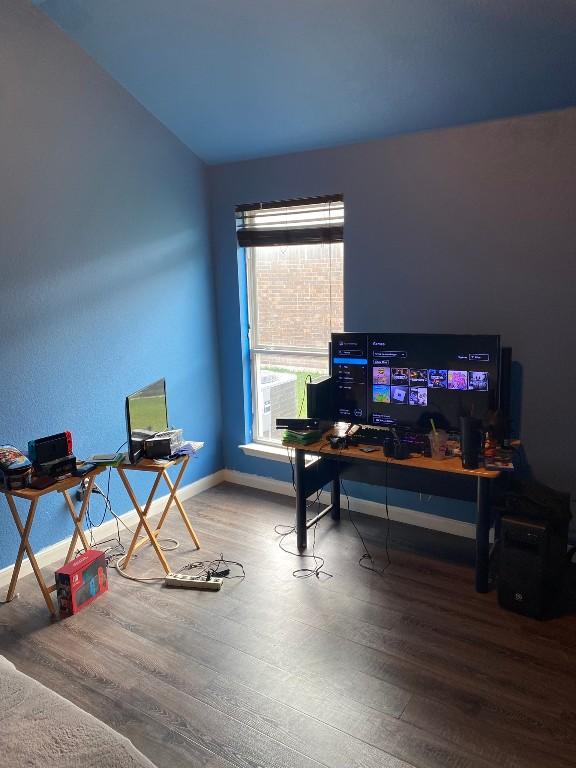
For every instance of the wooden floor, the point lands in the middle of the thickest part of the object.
(355, 671)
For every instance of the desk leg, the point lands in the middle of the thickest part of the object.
(142, 513)
(78, 521)
(24, 532)
(482, 534)
(301, 538)
(173, 487)
(174, 497)
(335, 498)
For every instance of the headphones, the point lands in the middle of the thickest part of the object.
(394, 448)
(337, 441)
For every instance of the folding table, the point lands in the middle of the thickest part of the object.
(33, 496)
(159, 468)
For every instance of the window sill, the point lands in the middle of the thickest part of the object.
(272, 452)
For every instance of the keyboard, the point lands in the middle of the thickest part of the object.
(368, 435)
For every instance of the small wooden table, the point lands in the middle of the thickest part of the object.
(33, 496)
(160, 469)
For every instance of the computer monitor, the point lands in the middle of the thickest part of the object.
(146, 415)
(405, 379)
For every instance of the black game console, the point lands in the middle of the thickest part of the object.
(162, 445)
(299, 425)
(83, 469)
(157, 448)
(52, 455)
(62, 467)
(45, 450)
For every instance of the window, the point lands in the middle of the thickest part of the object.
(294, 281)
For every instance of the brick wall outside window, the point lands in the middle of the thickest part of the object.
(298, 303)
(299, 300)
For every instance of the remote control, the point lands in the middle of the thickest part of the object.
(191, 582)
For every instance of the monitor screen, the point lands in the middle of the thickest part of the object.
(146, 414)
(404, 379)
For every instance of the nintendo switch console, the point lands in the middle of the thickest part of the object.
(81, 581)
(53, 455)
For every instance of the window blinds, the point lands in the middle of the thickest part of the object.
(291, 222)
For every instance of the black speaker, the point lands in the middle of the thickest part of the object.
(470, 441)
(505, 393)
(319, 399)
(532, 565)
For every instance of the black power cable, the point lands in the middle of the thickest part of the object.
(319, 561)
(213, 568)
(307, 379)
(367, 556)
(115, 553)
(287, 530)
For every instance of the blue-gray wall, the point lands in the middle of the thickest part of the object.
(105, 272)
(469, 230)
(324, 73)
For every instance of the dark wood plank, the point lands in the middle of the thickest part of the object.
(497, 745)
(100, 697)
(409, 669)
(340, 736)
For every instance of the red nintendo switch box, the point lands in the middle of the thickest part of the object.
(81, 581)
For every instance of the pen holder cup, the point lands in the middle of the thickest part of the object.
(438, 441)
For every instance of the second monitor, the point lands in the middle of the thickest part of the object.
(146, 416)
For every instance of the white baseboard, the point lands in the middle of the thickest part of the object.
(57, 552)
(373, 508)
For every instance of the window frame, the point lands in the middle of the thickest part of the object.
(258, 352)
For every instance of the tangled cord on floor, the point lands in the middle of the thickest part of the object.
(366, 560)
(302, 573)
(287, 530)
(367, 556)
(116, 553)
(213, 568)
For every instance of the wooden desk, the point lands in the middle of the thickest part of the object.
(444, 477)
(33, 496)
(161, 471)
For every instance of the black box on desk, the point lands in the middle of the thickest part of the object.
(58, 468)
(319, 400)
(157, 448)
(163, 445)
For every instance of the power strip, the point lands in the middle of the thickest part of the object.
(192, 582)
